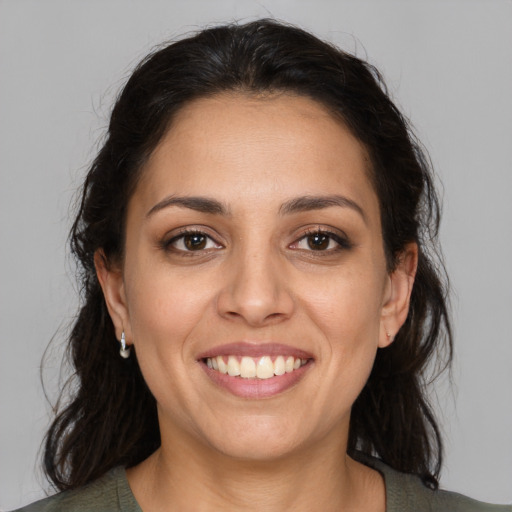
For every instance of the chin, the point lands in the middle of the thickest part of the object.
(259, 439)
(257, 450)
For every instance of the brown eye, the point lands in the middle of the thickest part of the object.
(318, 241)
(195, 242)
(191, 241)
(322, 241)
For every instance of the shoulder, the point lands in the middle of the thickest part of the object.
(452, 501)
(109, 493)
(406, 492)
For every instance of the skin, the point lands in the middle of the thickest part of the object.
(257, 280)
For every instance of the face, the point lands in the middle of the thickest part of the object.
(254, 286)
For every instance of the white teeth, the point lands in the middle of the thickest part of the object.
(233, 366)
(223, 368)
(265, 368)
(247, 368)
(279, 368)
(250, 368)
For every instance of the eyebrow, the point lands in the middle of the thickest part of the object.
(199, 204)
(307, 203)
(296, 205)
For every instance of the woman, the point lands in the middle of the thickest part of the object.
(260, 298)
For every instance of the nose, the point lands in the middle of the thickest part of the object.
(256, 290)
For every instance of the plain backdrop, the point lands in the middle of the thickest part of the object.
(448, 65)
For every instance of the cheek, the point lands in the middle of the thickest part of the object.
(165, 307)
(345, 303)
(347, 312)
(165, 312)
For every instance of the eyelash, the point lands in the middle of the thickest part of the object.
(168, 244)
(342, 241)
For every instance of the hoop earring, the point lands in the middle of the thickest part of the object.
(124, 351)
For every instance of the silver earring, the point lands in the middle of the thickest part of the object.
(124, 351)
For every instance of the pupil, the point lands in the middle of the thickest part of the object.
(195, 242)
(318, 241)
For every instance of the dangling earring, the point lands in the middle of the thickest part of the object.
(124, 350)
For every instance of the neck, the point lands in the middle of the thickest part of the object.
(319, 478)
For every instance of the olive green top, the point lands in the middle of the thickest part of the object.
(404, 493)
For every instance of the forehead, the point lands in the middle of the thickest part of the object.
(237, 145)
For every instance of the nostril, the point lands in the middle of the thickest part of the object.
(254, 300)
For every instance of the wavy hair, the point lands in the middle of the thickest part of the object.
(111, 417)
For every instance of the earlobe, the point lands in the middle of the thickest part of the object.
(112, 284)
(398, 296)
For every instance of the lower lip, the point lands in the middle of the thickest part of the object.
(256, 388)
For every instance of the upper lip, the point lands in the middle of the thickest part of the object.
(243, 348)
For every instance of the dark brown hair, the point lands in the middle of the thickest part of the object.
(111, 417)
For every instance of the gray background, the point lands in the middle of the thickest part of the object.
(448, 65)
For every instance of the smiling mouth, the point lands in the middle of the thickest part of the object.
(263, 367)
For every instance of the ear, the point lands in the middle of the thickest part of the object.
(112, 284)
(398, 295)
